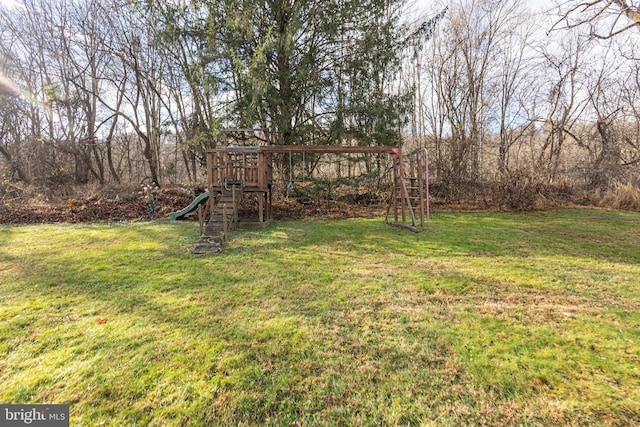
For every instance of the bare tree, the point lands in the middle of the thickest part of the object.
(29, 67)
(194, 83)
(12, 124)
(605, 18)
(565, 103)
(143, 67)
(475, 75)
(513, 81)
(56, 53)
(630, 122)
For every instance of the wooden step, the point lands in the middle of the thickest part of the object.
(219, 217)
(214, 232)
(207, 248)
(208, 244)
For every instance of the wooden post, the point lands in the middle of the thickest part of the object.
(261, 171)
(243, 169)
(211, 203)
(224, 222)
(420, 187)
(235, 211)
(396, 190)
(403, 195)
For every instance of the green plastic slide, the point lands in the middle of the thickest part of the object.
(192, 206)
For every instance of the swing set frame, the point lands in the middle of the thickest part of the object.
(250, 171)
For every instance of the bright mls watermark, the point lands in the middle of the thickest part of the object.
(34, 415)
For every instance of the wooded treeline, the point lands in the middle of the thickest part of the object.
(122, 91)
(505, 99)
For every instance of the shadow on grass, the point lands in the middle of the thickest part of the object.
(598, 235)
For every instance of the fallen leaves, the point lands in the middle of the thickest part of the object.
(100, 208)
(76, 210)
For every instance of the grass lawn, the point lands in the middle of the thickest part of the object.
(497, 319)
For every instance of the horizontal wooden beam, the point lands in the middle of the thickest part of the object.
(327, 149)
(337, 149)
(240, 130)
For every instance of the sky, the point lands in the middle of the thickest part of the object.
(422, 9)
(534, 5)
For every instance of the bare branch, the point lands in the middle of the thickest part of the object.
(598, 11)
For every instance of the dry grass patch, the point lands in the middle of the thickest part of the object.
(623, 196)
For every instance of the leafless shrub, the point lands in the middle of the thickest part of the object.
(518, 191)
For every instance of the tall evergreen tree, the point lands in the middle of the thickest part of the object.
(310, 67)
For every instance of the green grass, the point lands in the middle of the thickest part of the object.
(488, 319)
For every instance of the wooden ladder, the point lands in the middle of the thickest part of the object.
(408, 198)
(223, 219)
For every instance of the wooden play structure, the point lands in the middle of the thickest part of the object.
(235, 173)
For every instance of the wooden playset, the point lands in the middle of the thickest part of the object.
(238, 172)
